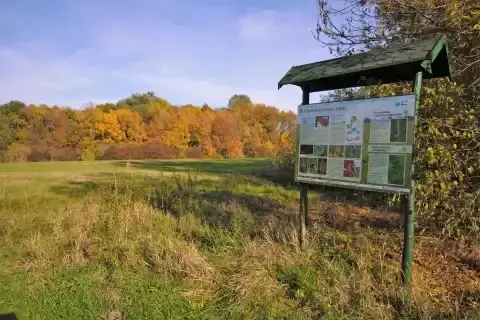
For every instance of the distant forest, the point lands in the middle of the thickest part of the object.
(143, 126)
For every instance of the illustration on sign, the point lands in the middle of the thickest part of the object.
(363, 143)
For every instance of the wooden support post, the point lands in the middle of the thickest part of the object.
(304, 188)
(303, 213)
(408, 204)
(305, 96)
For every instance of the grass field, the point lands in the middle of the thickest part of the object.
(210, 240)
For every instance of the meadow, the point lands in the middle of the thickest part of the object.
(212, 239)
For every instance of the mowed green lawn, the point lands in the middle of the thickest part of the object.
(186, 239)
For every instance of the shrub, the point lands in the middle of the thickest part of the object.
(64, 154)
(152, 150)
(39, 154)
(193, 153)
(87, 155)
(284, 162)
(17, 152)
(447, 165)
(43, 153)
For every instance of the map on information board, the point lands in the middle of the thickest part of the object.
(364, 144)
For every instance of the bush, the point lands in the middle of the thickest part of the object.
(447, 165)
(284, 162)
(39, 154)
(64, 154)
(17, 152)
(152, 150)
(87, 155)
(43, 153)
(193, 153)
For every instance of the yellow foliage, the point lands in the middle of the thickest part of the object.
(111, 128)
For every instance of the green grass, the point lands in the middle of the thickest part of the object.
(189, 240)
(205, 166)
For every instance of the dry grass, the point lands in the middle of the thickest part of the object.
(227, 254)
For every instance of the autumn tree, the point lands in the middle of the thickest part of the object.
(12, 107)
(226, 134)
(131, 125)
(11, 122)
(253, 141)
(107, 126)
(173, 130)
(286, 130)
(268, 117)
(139, 99)
(158, 115)
(6, 133)
(56, 122)
(206, 118)
(84, 133)
(36, 130)
(239, 99)
(139, 102)
(140, 126)
(105, 107)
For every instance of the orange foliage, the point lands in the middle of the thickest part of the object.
(226, 131)
(152, 128)
(131, 126)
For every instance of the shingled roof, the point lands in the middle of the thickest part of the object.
(384, 65)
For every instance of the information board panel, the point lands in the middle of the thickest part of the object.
(364, 144)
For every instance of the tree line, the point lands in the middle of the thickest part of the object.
(143, 126)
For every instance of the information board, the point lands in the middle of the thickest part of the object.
(364, 144)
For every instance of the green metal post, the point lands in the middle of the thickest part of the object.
(304, 189)
(409, 206)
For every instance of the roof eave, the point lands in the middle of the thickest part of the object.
(435, 64)
(419, 62)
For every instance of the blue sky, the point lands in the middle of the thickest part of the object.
(72, 52)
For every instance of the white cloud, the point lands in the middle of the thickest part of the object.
(181, 63)
(61, 81)
(258, 25)
(270, 24)
(220, 93)
(216, 93)
(69, 81)
(31, 79)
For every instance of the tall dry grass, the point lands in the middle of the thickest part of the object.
(223, 269)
